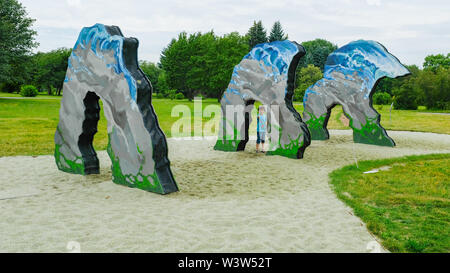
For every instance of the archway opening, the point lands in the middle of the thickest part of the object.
(91, 118)
(337, 119)
(251, 124)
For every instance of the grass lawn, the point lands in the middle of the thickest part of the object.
(406, 206)
(16, 95)
(27, 125)
(415, 120)
(420, 120)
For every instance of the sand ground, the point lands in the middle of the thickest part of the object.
(228, 202)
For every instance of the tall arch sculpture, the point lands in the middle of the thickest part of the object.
(350, 77)
(266, 74)
(103, 65)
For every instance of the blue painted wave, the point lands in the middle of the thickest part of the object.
(97, 39)
(274, 58)
(277, 55)
(368, 59)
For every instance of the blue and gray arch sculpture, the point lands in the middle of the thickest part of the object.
(267, 75)
(103, 65)
(350, 77)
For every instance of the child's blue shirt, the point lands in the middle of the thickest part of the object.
(261, 123)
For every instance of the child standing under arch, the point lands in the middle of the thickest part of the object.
(261, 126)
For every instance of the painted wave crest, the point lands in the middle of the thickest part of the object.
(276, 55)
(368, 59)
(98, 40)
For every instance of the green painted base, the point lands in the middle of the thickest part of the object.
(70, 166)
(374, 139)
(318, 133)
(149, 182)
(289, 150)
(285, 152)
(372, 133)
(227, 142)
(316, 127)
(227, 145)
(75, 166)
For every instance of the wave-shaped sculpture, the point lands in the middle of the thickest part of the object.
(266, 74)
(103, 65)
(350, 77)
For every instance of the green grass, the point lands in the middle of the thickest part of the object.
(407, 206)
(414, 120)
(424, 109)
(27, 126)
(9, 95)
(17, 95)
(421, 120)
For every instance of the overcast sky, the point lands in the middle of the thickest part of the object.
(410, 29)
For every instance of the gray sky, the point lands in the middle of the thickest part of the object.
(410, 29)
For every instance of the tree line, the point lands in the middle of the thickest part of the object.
(202, 63)
(429, 86)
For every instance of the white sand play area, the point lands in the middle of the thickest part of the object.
(228, 202)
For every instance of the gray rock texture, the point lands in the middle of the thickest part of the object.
(267, 75)
(103, 65)
(350, 77)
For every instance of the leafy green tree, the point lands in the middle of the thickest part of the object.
(228, 51)
(381, 98)
(317, 52)
(443, 85)
(256, 34)
(413, 69)
(16, 43)
(28, 91)
(179, 96)
(434, 81)
(201, 63)
(405, 96)
(386, 85)
(307, 77)
(434, 61)
(175, 62)
(435, 87)
(277, 33)
(49, 69)
(186, 63)
(171, 93)
(161, 85)
(18, 74)
(152, 72)
(429, 87)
